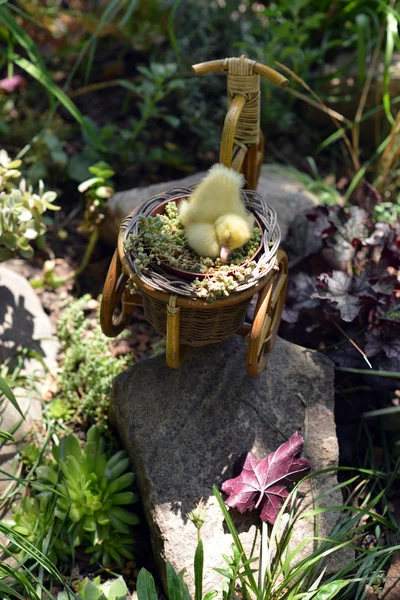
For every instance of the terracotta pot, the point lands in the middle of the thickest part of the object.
(189, 275)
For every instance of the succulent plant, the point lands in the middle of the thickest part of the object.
(26, 515)
(21, 210)
(60, 410)
(32, 518)
(92, 495)
(113, 589)
(30, 454)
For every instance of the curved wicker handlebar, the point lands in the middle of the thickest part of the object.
(258, 68)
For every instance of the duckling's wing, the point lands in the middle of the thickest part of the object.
(202, 238)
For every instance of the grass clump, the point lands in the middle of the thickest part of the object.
(88, 368)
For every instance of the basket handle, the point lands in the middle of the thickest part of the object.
(258, 68)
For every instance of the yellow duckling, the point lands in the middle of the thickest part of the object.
(215, 218)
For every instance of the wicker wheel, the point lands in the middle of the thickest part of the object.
(267, 318)
(115, 294)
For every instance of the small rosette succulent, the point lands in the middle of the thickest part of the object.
(94, 496)
(32, 518)
(114, 589)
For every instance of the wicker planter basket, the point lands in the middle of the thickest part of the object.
(170, 303)
(219, 320)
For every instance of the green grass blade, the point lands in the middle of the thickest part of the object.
(171, 31)
(318, 511)
(128, 13)
(391, 34)
(362, 28)
(232, 529)
(21, 37)
(5, 389)
(22, 580)
(390, 374)
(61, 96)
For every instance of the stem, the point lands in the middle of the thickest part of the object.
(10, 64)
(264, 560)
(93, 87)
(94, 236)
(146, 116)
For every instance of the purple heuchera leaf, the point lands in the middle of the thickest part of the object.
(298, 297)
(263, 483)
(385, 339)
(322, 224)
(338, 289)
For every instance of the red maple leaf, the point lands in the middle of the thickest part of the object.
(263, 483)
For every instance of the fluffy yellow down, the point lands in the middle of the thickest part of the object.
(215, 218)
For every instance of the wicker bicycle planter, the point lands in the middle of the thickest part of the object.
(170, 303)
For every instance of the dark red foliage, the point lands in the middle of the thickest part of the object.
(358, 281)
(263, 483)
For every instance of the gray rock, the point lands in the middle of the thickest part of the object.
(23, 325)
(276, 185)
(285, 194)
(184, 430)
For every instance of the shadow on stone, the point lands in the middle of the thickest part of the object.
(16, 326)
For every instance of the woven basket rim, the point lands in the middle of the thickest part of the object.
(156, 277)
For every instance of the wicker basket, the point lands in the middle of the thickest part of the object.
(220, 320)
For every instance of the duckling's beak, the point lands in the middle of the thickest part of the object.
(224, 253)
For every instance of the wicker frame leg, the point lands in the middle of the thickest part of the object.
(176, 352)
(267, 318)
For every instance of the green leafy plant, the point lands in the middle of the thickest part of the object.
(59, 410)
(113, 589)
(88, 368)
(21, 210)
(30, 453)
(98, 189)
(92, 493)
(131, 143)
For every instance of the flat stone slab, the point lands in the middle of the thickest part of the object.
(185, 429)
(276, 185)
(23, 325)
